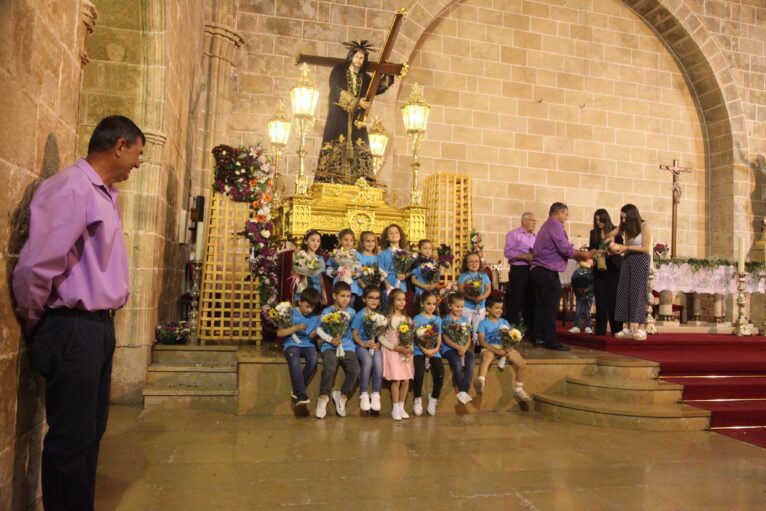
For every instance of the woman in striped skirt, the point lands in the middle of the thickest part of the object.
(631, 288)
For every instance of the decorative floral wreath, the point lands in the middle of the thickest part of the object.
(476, 246)
(245, 174)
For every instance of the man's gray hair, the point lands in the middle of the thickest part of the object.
(526, 215)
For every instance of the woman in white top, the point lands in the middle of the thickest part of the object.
(631, 288)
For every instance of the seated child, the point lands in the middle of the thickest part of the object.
(332, 356)
(492, 347)
(460, 357)
(297, 342)
(368, 353)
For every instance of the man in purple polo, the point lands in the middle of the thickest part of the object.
(71, 276)
(520, 298)
(551, 252)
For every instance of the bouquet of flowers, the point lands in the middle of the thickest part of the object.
(426, 336)
(459, 332)
(281, 316)
(348, 263)
(375, 324)
(430, 272)
(372, 275)
(335, 325)
(406, 336)
(445, 255)
(509, 337)
(305, 265)
(474, 286)
(175, 332)
(402, 262)
(477, 246)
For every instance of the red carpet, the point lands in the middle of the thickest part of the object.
(736, 398)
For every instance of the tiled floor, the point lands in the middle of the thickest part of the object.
(200, 460)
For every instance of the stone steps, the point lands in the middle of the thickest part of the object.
(621, 392)
(192, 377)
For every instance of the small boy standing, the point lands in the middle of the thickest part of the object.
(297, 342)
(582, 284)
(332, 356)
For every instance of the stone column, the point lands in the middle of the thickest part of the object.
(220, 43)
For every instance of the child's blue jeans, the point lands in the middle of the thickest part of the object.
(370, 365)
(299, 378)
(582, 308)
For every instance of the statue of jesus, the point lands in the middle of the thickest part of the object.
(345, 153)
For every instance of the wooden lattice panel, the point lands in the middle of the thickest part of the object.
(449, 214)
(229, 302)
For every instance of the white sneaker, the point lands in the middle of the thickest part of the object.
(321, 412)
(375, 402)
(402, 412)
(340, 403)
(364, 402)
(520, 393)
(417, 406)
(625, 333)
(432, 405)
(640, 335)
(588, 330)
(574, 330)
(478, 384)
(466, 398)
(395, 412)
(461, 397)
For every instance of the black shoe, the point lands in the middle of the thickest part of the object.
(557, 346)
(539, 343)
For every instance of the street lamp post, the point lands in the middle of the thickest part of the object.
(304, 98)
(415, 115)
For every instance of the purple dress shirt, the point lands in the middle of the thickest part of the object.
(552, 248)
(518, 242)
(75, 256)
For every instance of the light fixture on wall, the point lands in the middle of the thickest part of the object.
(415, 115)
(378, 143)
(279, 132)
(304, 98)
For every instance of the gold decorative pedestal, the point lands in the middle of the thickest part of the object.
(330, 207)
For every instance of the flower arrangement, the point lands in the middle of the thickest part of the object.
(445, 256)
(258, 233)
(426, 336)
(375, 324)
(476, 243)
(348, 263)
(430, 272)
(474, 286)
(402, 260)
(509, 337)
(406, 336)
(459, 332)
(281, 315)
(244, 173)
(335, 325)
(372, 275)
(306, 264)
(174, 332)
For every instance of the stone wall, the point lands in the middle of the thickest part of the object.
(40, 69)
(578, 101)
(146, 63)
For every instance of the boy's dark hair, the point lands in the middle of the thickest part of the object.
(111, 129)
(311, 296)
(340, 286)
(370, 289)
(425, 295)
(453, 297)
(492, 300)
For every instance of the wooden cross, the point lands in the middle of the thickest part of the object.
(676, 171)
(378, 69)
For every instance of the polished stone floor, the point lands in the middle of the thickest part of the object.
(197, 460)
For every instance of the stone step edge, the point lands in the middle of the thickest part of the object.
(153, 390)
(193, 347)
(172, 368)
(629, 410)
(611, 383)
(626, 362)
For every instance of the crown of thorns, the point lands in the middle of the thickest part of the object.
(363, 45)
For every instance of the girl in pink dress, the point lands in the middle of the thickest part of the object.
(397, 360)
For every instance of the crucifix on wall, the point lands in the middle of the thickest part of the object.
(345, 153)
(676, 171)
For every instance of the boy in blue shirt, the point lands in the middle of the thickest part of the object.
(341, 294)
(492, 347)
(297, 342)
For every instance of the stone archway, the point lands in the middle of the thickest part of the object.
(706, 71)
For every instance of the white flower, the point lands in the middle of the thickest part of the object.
(266, 233)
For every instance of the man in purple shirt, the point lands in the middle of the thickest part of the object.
(519, 297)
(551, 252)
(71, 276)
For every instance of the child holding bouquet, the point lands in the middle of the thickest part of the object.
(395, 259)
(497, 339)
(428, 339)
(338, 348)
(475, 286)
(425, 271)
(370, 273)
(296, 326)
(368, 325)
(397, 352)
(344, 265)
(308, 265)
(456, 344)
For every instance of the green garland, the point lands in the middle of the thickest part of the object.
(710, 264)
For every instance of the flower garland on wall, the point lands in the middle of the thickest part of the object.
(709, 264)
(245, 175)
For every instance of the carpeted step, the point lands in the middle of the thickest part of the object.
(734, 413)
(733, 387)
(755, 436)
